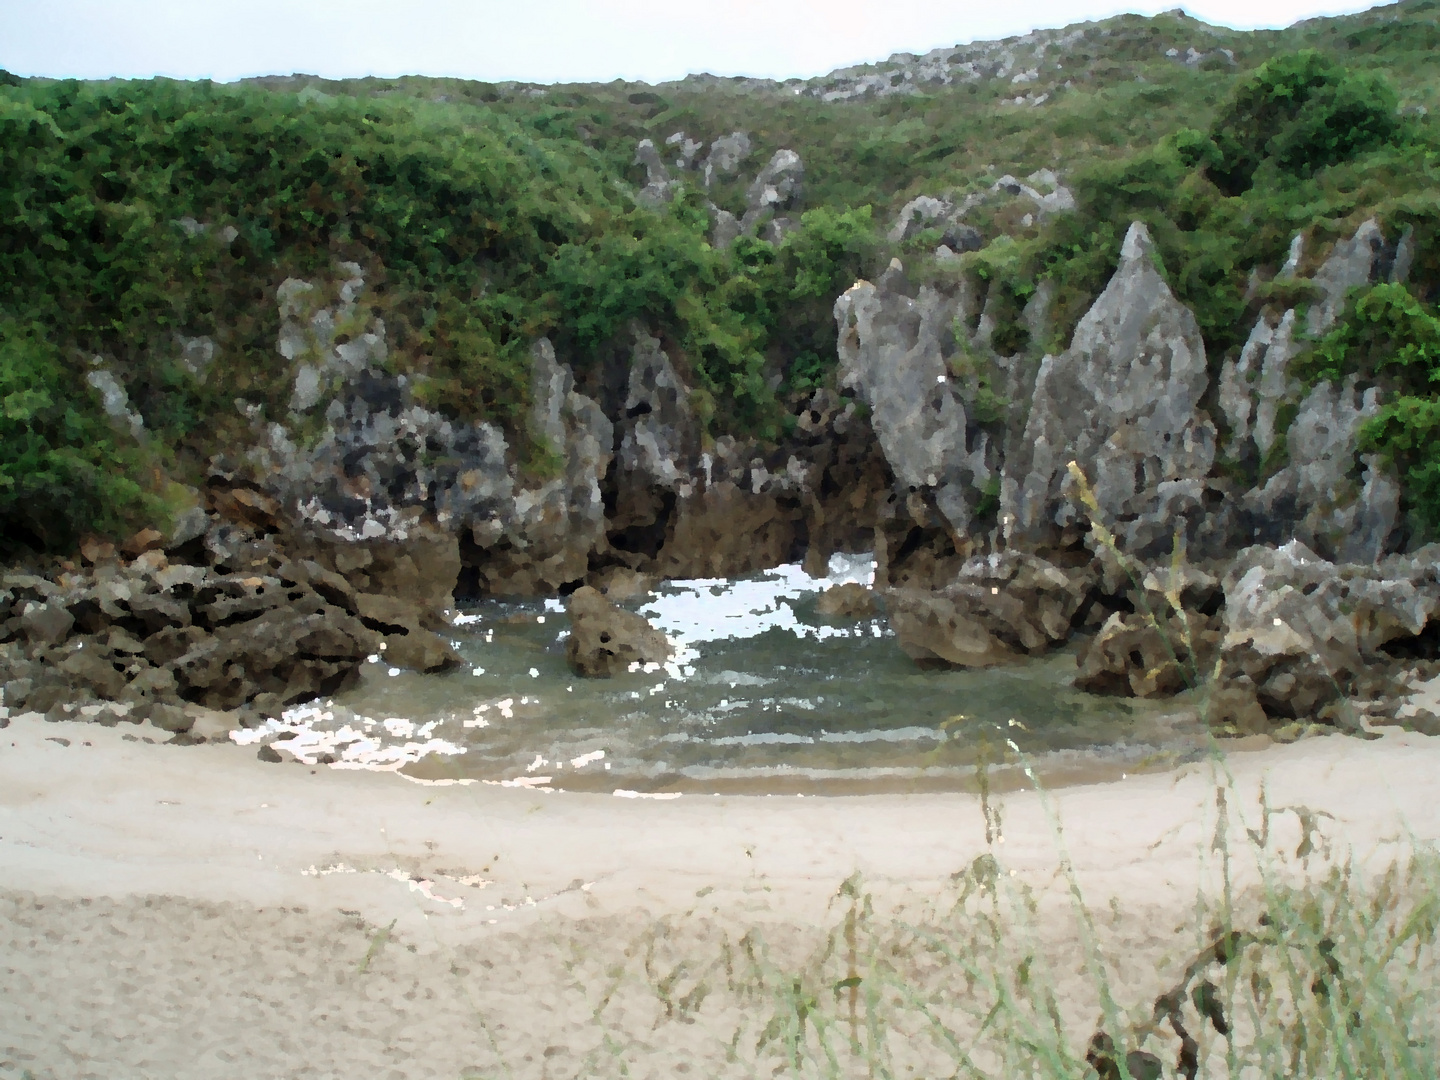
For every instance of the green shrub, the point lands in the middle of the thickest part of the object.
(1301, 111)
(1387, 332)
(62, 470)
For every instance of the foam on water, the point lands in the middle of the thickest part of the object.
(695, 611)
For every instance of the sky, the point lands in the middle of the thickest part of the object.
(536, 40)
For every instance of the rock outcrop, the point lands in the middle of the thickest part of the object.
(1342, 504)
(1303, 633)
(606, 639)
(659, 188)
(1298, 639)
(544, 537)
(244, 626)
(1124, 403)
(892, 353)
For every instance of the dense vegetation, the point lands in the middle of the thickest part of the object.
(139, 215)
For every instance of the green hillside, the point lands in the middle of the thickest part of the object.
(139, 215)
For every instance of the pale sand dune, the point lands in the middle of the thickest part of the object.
(157, 919)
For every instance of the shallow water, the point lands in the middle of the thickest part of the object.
(762, 696)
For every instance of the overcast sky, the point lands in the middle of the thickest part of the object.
(534, 40)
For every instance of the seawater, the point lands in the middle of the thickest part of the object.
(762, 695)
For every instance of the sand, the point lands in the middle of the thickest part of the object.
(173, 911)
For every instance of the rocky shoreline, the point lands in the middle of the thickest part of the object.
(1093, 494)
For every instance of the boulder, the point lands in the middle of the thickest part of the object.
(606, 639)
(407, 643)
(620, 582)
(1001, 608)
(850, 600)
(46, 623)
(1137, 656)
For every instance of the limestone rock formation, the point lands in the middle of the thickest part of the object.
(930, 212)
(1124, 403)
(605, 639)
(1254, 387)
(405, 641)
(726, 155)
(1001, 608)
(1353, 263)
(544, 537)
(891, 354)
(1302, 632)
(659, 188)
(1342, 505)
(1317, 498)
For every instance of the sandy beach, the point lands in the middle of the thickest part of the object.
(173, 911)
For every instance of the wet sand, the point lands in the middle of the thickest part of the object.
(192, 912)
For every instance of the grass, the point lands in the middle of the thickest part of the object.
(1316, 970)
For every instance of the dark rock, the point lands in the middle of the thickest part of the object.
(143, 541)
(169, 644)
(293, 654)
(270, 754)
(86, 668)
(605, 639)
(725, 531)
(240, 598)
(1235, 707)
(46, 624)
(961, 238)
(420, 650)
(47, 694)
(17, 691)
(154, 684)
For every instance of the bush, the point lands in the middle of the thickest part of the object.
(1387, 333)
(1303, 112)
(1389, 337)
(61, 470)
